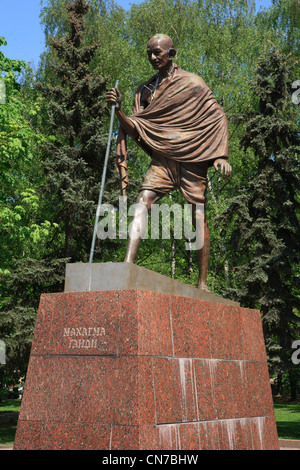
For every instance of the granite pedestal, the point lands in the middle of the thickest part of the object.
(140, 369)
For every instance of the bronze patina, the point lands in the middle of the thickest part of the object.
(177, 121)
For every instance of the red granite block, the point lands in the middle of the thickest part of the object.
(127, 302)
(258, 389)
(270, 434)
(28, 435)
(190, 321)
(146, 413)
(155, 333)
(133, 391)
(81, 323)
(68, 389)
(188, 388)
(209, 435)
(264, 433)
(41, 340)
(243, 439)
(237, 379)
(124, 438)
(75, 436)
(175, 390)
(175, 436)
(258, 432)
(124, 322)
(228, 389)
(253, 340)
(204, 382)
(149, 438)
(167, 390)
(189, 436)
(124, 393)
(169, 436)
(93, 389)
(163, 372)
(235, 434)
(225, 332)
(227, 434)
(222, 391)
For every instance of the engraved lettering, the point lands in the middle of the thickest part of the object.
(82, 333)
(83, 344)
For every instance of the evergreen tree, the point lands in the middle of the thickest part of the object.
(24, 232)
(264, 216)
(55, 222)
(73, 161)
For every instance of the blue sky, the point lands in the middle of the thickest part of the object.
(20, 25)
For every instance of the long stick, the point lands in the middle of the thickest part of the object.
(103, 177)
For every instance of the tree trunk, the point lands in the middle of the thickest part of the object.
(226, 272)
(279, 385)
(190, 259)
(173, 262)
(293, 388)
(67, 237)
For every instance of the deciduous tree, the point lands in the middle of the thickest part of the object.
(263, 218)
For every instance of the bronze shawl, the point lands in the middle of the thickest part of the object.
(184, 122)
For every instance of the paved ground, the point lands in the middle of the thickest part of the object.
(289, 444)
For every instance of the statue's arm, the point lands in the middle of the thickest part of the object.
(114, 97)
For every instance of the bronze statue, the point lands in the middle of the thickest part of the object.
(178, 122)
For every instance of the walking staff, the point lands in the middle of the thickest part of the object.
(103, 178)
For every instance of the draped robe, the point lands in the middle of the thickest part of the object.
(183, 122)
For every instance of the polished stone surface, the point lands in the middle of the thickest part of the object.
(134, 369)
(86, 277)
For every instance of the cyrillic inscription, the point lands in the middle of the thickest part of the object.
(83, 337)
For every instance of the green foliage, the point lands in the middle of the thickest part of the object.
(24, 231)
(264, 215)
(73, 161)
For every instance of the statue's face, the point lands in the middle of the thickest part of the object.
(158, 54)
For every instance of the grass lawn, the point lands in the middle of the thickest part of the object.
(8, 423)
(287, 416)
(10, 405)
(288, 419)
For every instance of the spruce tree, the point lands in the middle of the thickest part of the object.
(263, 218)
(73, 161)
(76, 131)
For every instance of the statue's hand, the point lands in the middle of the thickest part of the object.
(223, 166)
(113, 97)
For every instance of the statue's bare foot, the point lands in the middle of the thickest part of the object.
(203, 287)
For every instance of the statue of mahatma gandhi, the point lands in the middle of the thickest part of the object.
(178, 122)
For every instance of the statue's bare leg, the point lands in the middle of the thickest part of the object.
(138, 225)
(203, 253)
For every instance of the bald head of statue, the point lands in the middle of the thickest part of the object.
(165, 41)
(161, 52)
